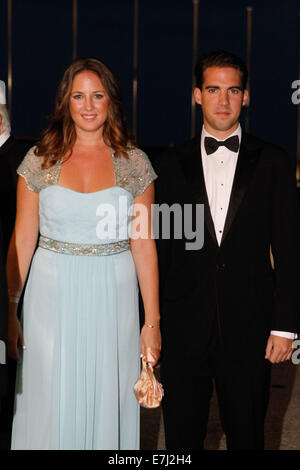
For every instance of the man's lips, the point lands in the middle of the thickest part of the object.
(223, 113)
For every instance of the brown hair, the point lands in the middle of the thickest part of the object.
(220, 59)
(60, 136)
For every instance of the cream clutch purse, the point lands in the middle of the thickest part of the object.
(148, 390)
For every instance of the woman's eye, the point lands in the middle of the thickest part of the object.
(79, 96)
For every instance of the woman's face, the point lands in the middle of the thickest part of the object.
(89, 102)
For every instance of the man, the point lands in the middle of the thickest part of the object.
(226, 314)
(3, 325)
(12, 152)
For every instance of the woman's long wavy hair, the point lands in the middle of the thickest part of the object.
(59, 138)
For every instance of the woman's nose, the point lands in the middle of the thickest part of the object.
(88, 102)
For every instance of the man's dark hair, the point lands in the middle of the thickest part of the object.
(220, 59)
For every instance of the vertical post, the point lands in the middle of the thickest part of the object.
(135, 67)
(194, 60)
(248, 61)
(74, 52)
(9, 56)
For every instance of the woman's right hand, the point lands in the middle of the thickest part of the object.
(15, 337)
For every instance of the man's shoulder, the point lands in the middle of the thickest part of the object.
(16, 147)
(21, 144)
(270, 154)
(253, 142)
(175, 154)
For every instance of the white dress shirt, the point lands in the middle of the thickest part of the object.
(219, 169)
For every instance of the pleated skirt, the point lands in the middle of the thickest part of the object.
(74, 387)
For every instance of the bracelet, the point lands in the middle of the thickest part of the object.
(151, 326)
(14, 297)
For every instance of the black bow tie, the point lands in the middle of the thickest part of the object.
(211, 144)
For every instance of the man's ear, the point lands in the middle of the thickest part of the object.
(198, 95)
(246, 98)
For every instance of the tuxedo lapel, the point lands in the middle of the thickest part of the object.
(192, 169)
(246, 164)
(7, 144)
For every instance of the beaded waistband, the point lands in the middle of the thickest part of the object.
(82, 249)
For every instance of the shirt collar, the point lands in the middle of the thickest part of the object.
(4, 137)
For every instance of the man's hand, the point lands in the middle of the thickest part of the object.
(278, 349)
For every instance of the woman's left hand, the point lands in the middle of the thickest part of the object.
(151, 344)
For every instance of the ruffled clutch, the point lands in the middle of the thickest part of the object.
(148, 390)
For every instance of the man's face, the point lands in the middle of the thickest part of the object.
(221, 98)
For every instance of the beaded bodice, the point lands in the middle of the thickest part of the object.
(134, 173)
(102, 216)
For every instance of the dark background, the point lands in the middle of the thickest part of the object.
(42, 48)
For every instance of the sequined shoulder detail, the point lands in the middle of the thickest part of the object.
(135, 173)
(37, 178)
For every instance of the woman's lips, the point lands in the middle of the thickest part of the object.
(89, 117)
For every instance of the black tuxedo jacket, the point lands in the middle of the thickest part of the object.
(3, 323)
(232, 285)
(12, 153)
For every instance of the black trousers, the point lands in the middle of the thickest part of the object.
(242, 387)
(7, 410)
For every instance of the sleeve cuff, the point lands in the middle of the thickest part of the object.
(284, 334)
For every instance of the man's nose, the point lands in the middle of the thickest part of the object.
(224, 98)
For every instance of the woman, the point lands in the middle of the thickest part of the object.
(80, 316)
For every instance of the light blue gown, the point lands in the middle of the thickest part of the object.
(80, 318)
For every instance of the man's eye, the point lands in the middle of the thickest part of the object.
(212, 90)
(235, 91)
